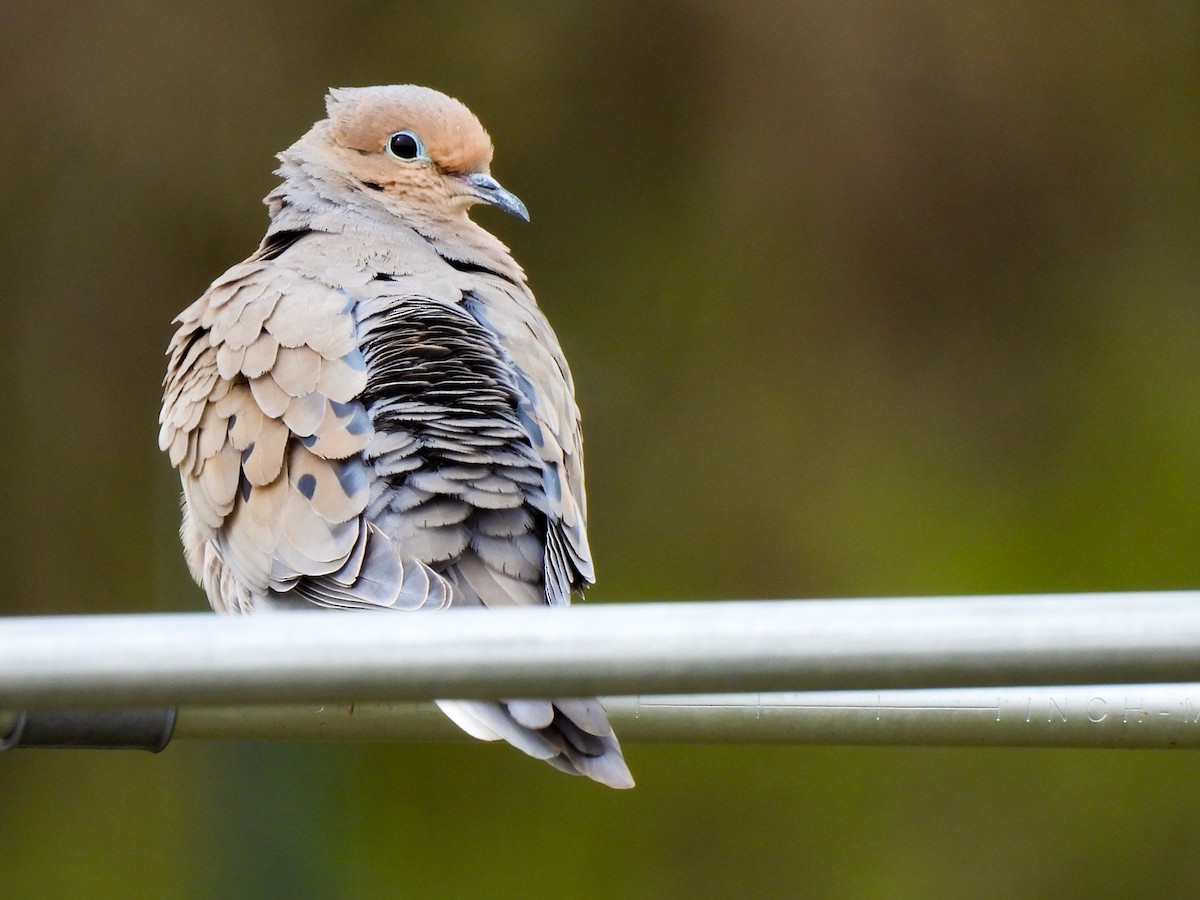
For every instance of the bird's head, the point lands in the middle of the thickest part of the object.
(410, 147)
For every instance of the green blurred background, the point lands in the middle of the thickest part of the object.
(861, 299)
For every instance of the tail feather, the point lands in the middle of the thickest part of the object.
(533, 714)
(583, 746)
(572, 737)
(588, 713)
(490, 721)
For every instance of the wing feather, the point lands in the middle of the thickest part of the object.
(261, 413)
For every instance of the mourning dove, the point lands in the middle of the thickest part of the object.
(372, 413)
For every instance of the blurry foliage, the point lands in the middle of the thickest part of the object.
(861, 298)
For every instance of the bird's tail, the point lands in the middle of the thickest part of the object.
(572, 735)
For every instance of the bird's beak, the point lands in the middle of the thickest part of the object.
(488, 189)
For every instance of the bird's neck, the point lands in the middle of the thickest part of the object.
(303, 202)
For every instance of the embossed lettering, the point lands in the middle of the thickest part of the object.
(1190, 714)
(1062, 713)
(1139, 712)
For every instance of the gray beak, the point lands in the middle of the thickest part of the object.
(488, 189)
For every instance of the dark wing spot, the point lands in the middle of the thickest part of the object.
(360, 422)
(475, 268)
(307, 485)
(191, 342)
(531, 427)
(352, 477)
(274, 245)
(551, 484)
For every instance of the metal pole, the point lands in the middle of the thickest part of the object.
(1115, 716)
(1125, 716)
(196, 659)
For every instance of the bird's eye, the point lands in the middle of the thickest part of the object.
(405, 145)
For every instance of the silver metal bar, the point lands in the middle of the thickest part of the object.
(1121, 716)
(194, 659)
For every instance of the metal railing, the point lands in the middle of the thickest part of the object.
(1119, 670)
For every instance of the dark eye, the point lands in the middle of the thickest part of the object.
(405, 145)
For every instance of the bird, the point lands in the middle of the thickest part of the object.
(372, 413)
